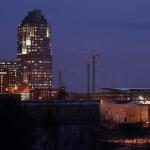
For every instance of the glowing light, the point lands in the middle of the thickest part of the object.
(141, 98)
(48, 33)
(15, 88)
(40, 97)
(24, 51)
(3, 73)
(145, 102)
(28, 42)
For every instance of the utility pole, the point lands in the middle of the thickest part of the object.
(88, 77)
(94, 56)
(60, 77)
(93, 62)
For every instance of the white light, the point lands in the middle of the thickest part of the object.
(28, 42)
(24, 51)
(144, 102)
(48, 33)
(1, 73)
(141, 98)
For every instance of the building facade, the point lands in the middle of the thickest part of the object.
(8, 75)
(34, 54)
(3, 80)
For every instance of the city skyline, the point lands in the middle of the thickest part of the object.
(75, 75)
(34, 53)
(119, 32)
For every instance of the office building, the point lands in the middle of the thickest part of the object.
(3, 80)
(8, 75)
(34, 54)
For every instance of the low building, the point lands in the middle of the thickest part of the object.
(120, 112)
(63, 124)
(44, 94)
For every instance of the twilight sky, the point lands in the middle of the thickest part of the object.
(118, 30)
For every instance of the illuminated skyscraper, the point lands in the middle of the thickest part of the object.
(34, 54)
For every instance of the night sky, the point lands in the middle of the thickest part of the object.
(118, 30)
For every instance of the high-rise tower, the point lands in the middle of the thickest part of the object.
(34, 54)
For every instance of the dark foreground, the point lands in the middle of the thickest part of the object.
(64, 125)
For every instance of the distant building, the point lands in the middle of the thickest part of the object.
(3, 80)
(128, 112)
(34, 53)
(44, 94)
(8, 75)
(47, 94)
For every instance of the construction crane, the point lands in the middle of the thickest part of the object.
(94, 61)
(88, 77)
(60, 79)
(94, 56)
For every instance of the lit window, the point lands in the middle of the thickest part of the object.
(48, 32)
(28, 41)
(24, 51)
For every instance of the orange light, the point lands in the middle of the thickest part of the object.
(15, 88)
(40, 97)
